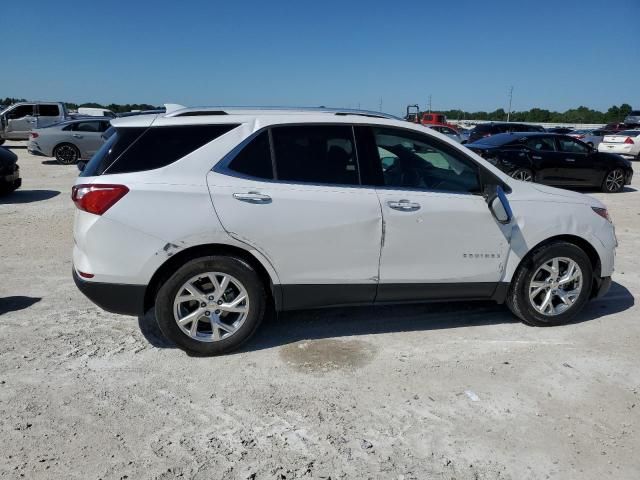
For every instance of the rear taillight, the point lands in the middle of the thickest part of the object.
(34, 135)
(97, 198)
(628, 140)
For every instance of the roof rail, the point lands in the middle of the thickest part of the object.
(224, 110)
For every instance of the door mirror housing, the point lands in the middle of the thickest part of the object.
(498, 204)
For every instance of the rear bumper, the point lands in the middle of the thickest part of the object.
(113, 297)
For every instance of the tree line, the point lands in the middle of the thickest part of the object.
(114, 107)
(574, 115)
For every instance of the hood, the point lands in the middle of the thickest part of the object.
(524, 191)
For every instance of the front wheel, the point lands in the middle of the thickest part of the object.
(66, 154)
(613, 181)
(552, 285)
(211, 305)
(523, 174)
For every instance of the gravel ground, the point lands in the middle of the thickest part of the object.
(445, 391)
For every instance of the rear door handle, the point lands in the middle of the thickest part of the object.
(570, 159)
(76, 135)
(404, 205)
(252, 197)
(535, 157)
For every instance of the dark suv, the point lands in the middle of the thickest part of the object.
(488, 129)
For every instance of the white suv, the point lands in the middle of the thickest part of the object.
(213, 216)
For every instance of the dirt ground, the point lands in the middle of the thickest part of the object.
(445, 391)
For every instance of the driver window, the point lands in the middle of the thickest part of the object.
(21, 112)
(412, 160)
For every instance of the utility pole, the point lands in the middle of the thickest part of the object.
(380, 104)
(510, 99)
(429, 103)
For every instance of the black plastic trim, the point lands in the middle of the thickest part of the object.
(410, 292)
(297, 297)
(118, 298)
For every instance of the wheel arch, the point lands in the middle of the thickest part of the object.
(580, 242)
(180, 258)
(59, 144)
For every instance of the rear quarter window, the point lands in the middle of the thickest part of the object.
(138, 149)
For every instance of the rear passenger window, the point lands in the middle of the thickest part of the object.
(138, 149)
(541, 143)
(87, 127)
(254, 159)
(48, 110)
(316, 153)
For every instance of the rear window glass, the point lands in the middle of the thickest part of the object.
(497, 140)
(631, 133)
(254, 159)
(138, 149)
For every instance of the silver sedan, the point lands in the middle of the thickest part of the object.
(69, 141)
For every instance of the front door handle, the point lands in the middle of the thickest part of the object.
(570, 159)
(252, 197)
(76, 135)
(404, 205)
(535, 157)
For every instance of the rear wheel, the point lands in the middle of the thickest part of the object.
(613, 181)
(66, 154)
(552, 285)
(211, 305)
(523, 174)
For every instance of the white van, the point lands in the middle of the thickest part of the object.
(96, 112)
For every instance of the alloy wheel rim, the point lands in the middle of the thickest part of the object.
(614, 180)
(66, 154)
(211, 306)
(522, 175)
(555, 286)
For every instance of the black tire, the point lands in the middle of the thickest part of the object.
(613, 181)
(518, 299)
(232, 266)
(66, 154)
(523, 174)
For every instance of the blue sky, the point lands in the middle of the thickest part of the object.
(557, 54)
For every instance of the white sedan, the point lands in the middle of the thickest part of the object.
(625, 143)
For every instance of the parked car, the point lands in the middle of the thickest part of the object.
(213, 217)
(633, 118)
(452, 133)
(562, 130)
(616, 127)
(554, 159)
(69, 141)
(9, 171)
(96, 112)
(487, 129)
(591, 137)
(625, 143)
(19, 119)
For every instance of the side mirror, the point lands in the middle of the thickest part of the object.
(81, 165)
(499, 204)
